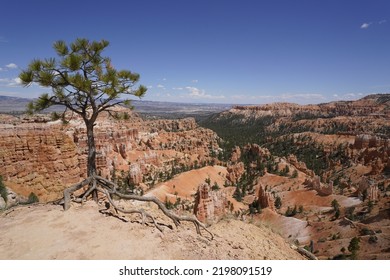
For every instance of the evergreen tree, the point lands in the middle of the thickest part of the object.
(336, 208)
(84, 82)
(278, 202)
(354, 246)
(215, 187)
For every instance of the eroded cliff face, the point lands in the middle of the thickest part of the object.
(44, 157)
(38, 158)
(320, 188)
(210, 205)
(265, 198)
(372, 105)
(366, 115)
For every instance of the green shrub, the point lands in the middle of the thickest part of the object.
(168, 204)
(295, 174)
(215, 187)
(340, 257)
(3, 190)
(32, 198)
(366, 231)
(291, 212)
(372, 239)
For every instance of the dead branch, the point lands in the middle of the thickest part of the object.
(306, 253)
(350, 222)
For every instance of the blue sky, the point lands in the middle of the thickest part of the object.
(242, 51)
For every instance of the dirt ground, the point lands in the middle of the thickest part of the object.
(47, 232)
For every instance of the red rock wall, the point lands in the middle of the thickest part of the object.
(210, 205)
(46, 157)
(39, 159)
(320, 188)
(266, 199)
(234, 172)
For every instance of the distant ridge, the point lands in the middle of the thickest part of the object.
(11, 104)
(13, 98)
(17, 105)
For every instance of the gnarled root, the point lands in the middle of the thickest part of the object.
(108, 189)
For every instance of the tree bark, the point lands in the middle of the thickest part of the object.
(91, 159)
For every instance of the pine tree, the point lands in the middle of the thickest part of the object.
(278, 202)
(85, 83)
(354, 246)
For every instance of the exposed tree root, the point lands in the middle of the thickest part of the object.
(110, 189)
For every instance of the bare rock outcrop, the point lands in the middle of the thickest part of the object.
(172, 125)
(135, 174)
(301, 166)
(370, 141)
(266, 199)
(254, 150)
(320, 188)
(43, 156)
(210, 205)
(236, 154)
(38, 158)
(235, 171)
(374, 151)
(371, 105)
(367, 189)
(3, 205)
(11, 199)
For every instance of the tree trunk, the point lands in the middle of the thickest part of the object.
(91, 160)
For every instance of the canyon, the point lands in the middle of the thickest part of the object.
(43, 156)
(317, 175)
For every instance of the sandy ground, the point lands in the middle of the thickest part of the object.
(47, 232)
(185, 184)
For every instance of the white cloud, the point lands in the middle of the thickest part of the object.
(11, 66)
(382, 21)
(194, 81)
(10, 82)
(1, 69)
(149, 87)
(164, 79)
(200, 93)
(17, 81)
(365, 25)
(160, 86)
(177, 88)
